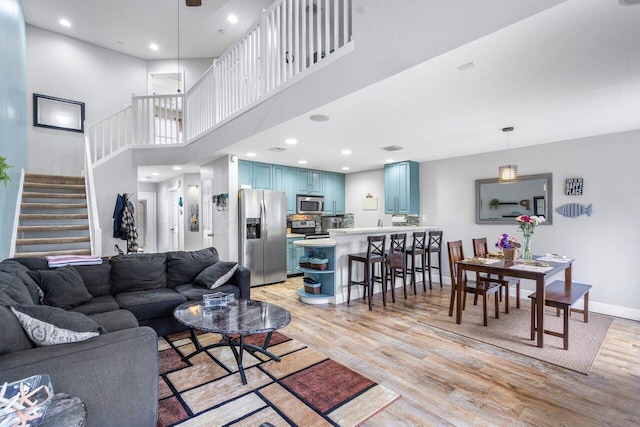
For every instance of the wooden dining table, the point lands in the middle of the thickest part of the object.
(504, 268)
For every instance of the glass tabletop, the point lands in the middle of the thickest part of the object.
(242, 317)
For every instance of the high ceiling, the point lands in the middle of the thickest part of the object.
(568, 72)
(129, 26)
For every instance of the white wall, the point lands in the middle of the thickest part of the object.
(67, 68)
(358, 185)
(604, 245)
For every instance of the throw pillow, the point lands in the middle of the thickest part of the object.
(12, 286)
(62, 287)
(11, 266)
(47, 326)
(183, 267)
(216, 275)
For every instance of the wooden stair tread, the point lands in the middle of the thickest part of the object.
(53, 179)
(53, 216)
(52, 253)
(31, 195)
(51, 240)
(28, 205)
(28, 184)
(34, 228)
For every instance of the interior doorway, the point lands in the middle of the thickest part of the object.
(146, 219)
(166, 83)
(174, 220)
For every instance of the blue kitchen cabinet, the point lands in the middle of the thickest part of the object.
(309, 182)
(284, 179)
(334, 193)
(402, 188)
(293, 255)
(254, 174)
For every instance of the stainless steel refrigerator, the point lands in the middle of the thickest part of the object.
(263, 235)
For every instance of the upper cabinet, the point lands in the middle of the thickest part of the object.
(334, 194)
(255, 175)
(402, 188)
(309, 182)
(285, 179)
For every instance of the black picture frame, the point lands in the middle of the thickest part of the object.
(539, 207)
(58, 113)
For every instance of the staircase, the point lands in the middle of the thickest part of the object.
(53, 217)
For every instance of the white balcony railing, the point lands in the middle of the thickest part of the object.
(292, 38)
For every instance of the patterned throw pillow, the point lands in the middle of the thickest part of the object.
(216, 275)
(45, 325)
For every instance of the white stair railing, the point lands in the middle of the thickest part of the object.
(95, 232)
(16, 218)
(292, 38)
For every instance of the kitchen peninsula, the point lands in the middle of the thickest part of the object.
(341, 243)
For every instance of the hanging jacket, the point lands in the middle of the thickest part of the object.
(128, 226)
(117, 216)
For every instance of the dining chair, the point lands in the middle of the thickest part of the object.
(483, 288)
(395, 264)
(417, 249)
(434, 245)
(480, 250)
(374, 256)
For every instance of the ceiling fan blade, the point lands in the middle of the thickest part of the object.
(194, 2)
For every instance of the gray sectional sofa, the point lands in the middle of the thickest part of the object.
(131, 299)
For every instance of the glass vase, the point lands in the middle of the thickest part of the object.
(527, 256)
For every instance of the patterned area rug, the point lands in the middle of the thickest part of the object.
(304, 389)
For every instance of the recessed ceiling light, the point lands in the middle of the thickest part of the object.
(232, 18)
(64, 22)
(302, 162)
(629, 2)
(346, 152)
(389, 161)
(154, 46)
(345, 168)
(319, 118)
(177, 168)
(155, 173)
(251, 154)
(291, 141)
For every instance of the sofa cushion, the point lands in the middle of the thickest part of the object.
(97, 305)
(193, 292)
(47, 326)
(150, 303)
(33, 263)
(11, 266)
(115, 320)
(62, 287)
(183, 267)
(216, 275)
(97, 278)
(13, 336)
(12, 286)
(138, 272)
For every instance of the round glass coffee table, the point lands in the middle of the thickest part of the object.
(235, 321)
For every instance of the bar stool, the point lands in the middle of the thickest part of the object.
(417, 249)
(395, 264)
(373, 256)
(434, 246)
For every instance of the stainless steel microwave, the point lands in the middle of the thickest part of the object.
(309, 204)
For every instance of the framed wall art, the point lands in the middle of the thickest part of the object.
(539, 206)
(57, 113)
(573, 186)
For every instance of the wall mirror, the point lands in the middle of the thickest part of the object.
(498, 203)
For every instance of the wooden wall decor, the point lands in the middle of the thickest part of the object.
(573, 186)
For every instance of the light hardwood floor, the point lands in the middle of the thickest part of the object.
(447, 379)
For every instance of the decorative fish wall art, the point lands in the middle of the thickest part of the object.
(574, 210)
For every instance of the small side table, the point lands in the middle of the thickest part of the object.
(65, 410)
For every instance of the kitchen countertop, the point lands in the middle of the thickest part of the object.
(335, 232)
(294, 235)
(315, 243)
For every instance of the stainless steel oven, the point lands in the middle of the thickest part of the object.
(309, 204)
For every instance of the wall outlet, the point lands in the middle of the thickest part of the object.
(424, 218)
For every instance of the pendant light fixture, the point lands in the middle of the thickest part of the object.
(508, 173)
